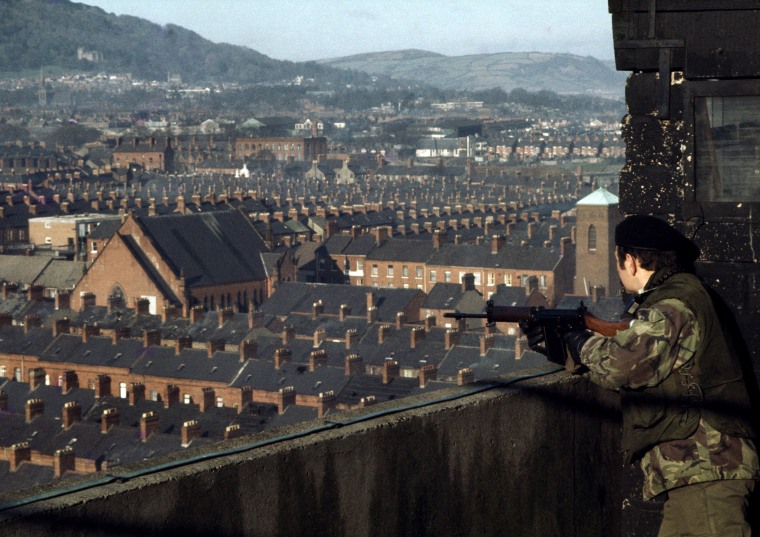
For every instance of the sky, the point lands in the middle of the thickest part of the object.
(302, 30)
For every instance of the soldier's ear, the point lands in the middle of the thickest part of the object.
(631, 264)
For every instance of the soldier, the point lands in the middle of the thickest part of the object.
(687, 417)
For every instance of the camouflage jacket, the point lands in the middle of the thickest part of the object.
(665, 337)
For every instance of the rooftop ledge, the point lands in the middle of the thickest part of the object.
(530, 455)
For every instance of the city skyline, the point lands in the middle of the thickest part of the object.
(297, 31)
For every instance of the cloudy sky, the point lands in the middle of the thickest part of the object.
(300, 30)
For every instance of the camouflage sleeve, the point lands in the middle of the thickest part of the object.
(662, 336)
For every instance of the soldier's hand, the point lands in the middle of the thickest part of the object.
(574, 342)
(535, 334)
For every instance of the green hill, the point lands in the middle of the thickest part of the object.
(38, 34)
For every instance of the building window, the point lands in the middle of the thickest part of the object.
(508, 280)
(153, 395)
(418, 273)
(374, 271)
(404, 271)
(187, 399)
(491, 279)
(359, 265)
(592, 238)
(432, 276)
(390, 271)
(447, 276)
(220, 402)
(542, 281)
(123, 390)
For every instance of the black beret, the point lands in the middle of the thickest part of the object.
(649, 233)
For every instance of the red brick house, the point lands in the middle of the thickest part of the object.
(281, 148)
(215, 260)
(150, 154)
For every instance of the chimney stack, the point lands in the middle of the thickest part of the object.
(317, 359)
(354, 365)
(71, 414)
(214, 345)
(20, 452)
(416, 336)
(232, 431)
(171, 395)
(64, 460)
(182, 343)
(326, 402)
(109, 418)
(319, 336)
(282, 355)
(391, 370)
(248, 349)
(33, 408)
(61, 326)
(152, 337)
(70, 381)
(486, 343)
(190, 430)
(137, 393)
(102, 386)
(451, 338)
(36, 378)
(208, 399)
(465, 376)
(224, 315)
(352, 337)
(149, 424)
(427, 373)
(285, 397)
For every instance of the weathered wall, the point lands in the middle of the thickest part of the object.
(677, 50)
(539, 460)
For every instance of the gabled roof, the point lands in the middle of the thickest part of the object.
(209, 248)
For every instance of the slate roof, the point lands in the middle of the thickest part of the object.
(210, 248)
(299, 297)
(402, 250)
(105, 229)
(396, 346)
(450, 296)
(190, 364)
(61, 274)
(508, 256)
(97, 351)
(22, 269)
(509, 296)
(261, 375)
(364, 386)
(13, 340)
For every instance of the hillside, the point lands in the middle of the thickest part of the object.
(42, 33)
(533, 71)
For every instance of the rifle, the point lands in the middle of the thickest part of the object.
(554, 323)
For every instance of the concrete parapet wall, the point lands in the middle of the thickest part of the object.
(539, 457)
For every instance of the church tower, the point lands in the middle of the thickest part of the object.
(596, 217)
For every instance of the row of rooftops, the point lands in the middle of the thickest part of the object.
(317, 363)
